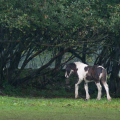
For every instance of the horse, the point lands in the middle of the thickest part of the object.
(88, 74)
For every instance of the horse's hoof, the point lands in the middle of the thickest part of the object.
(109, 99)
(76, 97)
(98, 99)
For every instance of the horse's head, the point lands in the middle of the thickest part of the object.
(70, 68)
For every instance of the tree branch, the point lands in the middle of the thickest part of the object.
(21, 81)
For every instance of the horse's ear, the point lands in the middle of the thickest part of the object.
(65, 65)
(76, 70)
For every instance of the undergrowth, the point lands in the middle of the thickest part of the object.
(59, 102)
(55, 87)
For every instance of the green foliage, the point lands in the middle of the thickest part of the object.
(32, 27)
(62, 19)
(12, 91)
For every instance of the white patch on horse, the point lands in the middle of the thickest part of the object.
(101, 67)
(100, 76)
(81, 72)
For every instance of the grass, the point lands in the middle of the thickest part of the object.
(58, 108)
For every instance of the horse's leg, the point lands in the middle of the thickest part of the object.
(104, 82)
(86, 90)
(77, 88)
(107, 90)
(99, 90)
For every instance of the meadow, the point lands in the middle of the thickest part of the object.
(17, 108)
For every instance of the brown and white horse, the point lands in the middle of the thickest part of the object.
(88, 74)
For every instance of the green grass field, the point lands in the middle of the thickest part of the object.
(13, 108)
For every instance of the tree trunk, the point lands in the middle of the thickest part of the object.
(118, 87)
(118, 81)
(59, 58)
(84, 51)
(115, 71)
(112, 84)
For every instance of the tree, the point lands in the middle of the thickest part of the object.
(29, 28)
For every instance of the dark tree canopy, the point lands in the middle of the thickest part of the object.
(84, 28)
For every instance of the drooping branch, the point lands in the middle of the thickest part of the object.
(75, 54)
(27, 60)
(46, 65)
(34, 55)
(34, 74)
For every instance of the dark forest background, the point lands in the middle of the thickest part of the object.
(51, 33)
